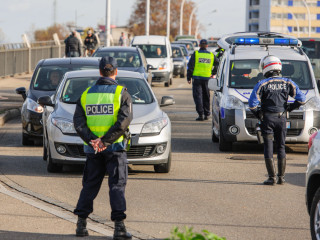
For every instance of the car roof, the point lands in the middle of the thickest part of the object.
(151, 39)
(96, 73)
(120, 49)
(257, 52)
(74, 60)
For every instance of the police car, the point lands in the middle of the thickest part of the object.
(238, 73)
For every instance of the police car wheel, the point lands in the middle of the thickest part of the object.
(52, 167)
(224, 145)
(164, 167)
(315, 216)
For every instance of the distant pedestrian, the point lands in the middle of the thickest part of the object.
(129, 39)
(73, 48)
(122, 40)
(202, 65)
(90, 42)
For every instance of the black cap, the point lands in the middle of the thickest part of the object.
(107, 60)
(204, 41)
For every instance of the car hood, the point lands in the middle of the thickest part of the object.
(141, 113)
(155, 62)
(35, 94)
(132, 69)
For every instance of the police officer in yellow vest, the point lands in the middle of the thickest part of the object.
(102, 117)
(202, 65)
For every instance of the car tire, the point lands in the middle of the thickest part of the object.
(315, 216)
(167, 84)
(26, 141)
(224, 145)
(52, 167)
(183, 75)
(163, 167)
(45, 149)
(170, 81)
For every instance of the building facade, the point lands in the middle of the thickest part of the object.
(300, 18)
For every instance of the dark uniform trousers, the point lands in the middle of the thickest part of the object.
(274, 126)
(97, 165)
(201, 96)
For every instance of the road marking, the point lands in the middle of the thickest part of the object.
(60, 214)
(3, 98)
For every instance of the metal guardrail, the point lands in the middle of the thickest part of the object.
(17, 58)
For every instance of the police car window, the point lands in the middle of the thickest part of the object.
(47, 78)
(246, 73)
(123, 58)
(312, 49)
(153, 51)
(138, 89)
(74, 87)
(221, 82)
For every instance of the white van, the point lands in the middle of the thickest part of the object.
(157, 50)
(238, 73)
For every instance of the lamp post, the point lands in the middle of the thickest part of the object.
(168, 19)
(197, 28)
(190, 20)
(147, 17)
(309, 18)
(181, 16)
(108, 20)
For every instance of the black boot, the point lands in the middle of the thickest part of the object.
(82, 227)
(281, 170)
(271, 172)
(120, 231)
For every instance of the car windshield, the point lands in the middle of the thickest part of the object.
(246, 73)
(176, 52)
(124, 58)
(138, 89)
(154, 51)
(185, 53)
(47, 78)
(189, 45)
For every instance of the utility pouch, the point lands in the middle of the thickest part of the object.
(259, 134)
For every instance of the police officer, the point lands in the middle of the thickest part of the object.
(219, 52)
(201, 66)
(272, 93)
(102, 117)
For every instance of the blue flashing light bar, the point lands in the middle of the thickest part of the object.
(267, 41)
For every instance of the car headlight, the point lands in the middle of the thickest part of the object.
(33, 106)
(163, 66)
(312, 105)
(232, 102)
(154, 127)
(66, 126)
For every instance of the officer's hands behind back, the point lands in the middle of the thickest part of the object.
(98, 145)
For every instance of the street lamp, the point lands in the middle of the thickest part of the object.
(181, 16)
(108, 20)
(294, 17)
(168, 19)
(147, 17)
(190, 20)
(309, 18)
(197, 28)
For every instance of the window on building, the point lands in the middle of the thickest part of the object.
(290, 29)
(318, 29)
(318, 3)
(290, 3)
(318, 16)
(289, 16)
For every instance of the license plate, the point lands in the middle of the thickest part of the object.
(288, 124)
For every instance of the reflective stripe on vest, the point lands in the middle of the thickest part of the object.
(203, 64)
(101, 108)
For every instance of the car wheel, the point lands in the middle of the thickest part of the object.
(26, 141)
(182, 75)
(45, 149)
(52, 167)
(315, 216)
(214, 138)
(164, 167)
(167, 84)
(170, 81)
(224, 145)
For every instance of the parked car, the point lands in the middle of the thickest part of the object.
(189, 45)
(179, 62)
(157, 50)
(128, 58)
(313, 185)
(44, 81)
(150, 127)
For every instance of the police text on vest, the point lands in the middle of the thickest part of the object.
(204, 60)
(99, 109)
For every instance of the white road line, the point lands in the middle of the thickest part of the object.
(181, 85)
(60, 214)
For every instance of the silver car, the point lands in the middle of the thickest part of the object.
(150, 127)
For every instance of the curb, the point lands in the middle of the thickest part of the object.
(9, 114)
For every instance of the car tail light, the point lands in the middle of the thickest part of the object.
(311, 139)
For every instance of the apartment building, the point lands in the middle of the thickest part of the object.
(300, 18)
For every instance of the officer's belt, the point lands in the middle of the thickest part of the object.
(273, 114)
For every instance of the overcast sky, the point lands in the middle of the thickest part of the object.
(21, 16)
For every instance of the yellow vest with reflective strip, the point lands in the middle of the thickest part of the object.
(203, 64)
(101, 104)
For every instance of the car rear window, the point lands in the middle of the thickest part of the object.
(47, 78)
(153, 51)
(246, 73)
(124, 59)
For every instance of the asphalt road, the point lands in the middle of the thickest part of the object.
(206, 189)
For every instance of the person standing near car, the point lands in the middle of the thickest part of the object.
(90, 42)
(102, 118)
(73, 48)
(202, 65)
(272, 94)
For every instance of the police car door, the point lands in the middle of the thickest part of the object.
(218, 94)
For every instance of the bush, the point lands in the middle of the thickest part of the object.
(190, 235)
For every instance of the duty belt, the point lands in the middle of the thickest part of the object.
(273, 114)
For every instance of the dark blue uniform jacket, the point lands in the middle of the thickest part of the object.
(273, 94)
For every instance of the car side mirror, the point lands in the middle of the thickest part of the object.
(166, 101)
(45, 101)
(213, 85)
(22, 91)
(149, 67)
